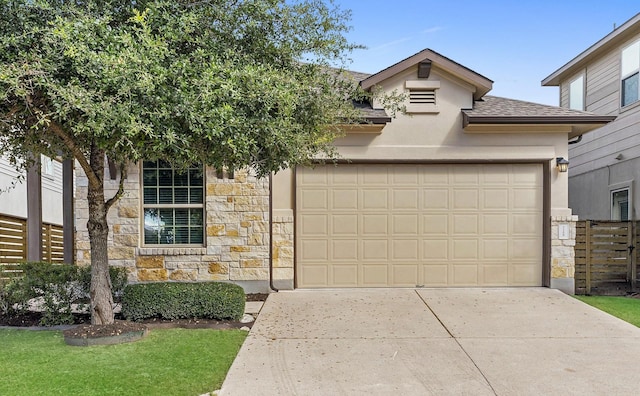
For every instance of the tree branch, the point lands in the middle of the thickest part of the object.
(118, 194)
(77, 153)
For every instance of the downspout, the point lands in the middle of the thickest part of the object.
(271, 233)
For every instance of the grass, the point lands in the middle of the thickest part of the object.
(625, 308)
(166, 362)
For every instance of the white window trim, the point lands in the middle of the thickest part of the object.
(584, 89)
(625, 76)
(144, 206)
(614, 188)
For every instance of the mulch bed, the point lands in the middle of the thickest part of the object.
(84, 329)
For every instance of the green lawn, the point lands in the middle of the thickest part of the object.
(166, 362)
(625, 308)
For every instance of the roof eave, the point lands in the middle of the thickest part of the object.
(532, 120)
(616, 36)
(482, 83)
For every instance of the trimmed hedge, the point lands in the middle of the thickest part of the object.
(173, 300)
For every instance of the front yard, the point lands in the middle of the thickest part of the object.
(625, 308)
(166, 362)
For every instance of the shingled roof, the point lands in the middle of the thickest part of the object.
(497, 110)
(369, 114)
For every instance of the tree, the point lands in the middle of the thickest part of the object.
(225, 83)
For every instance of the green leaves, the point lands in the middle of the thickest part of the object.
(217, 82)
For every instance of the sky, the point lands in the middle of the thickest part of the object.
(514, 43)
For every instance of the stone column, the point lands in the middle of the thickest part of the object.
(563, 242)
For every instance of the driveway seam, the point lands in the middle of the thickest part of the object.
(457, 342)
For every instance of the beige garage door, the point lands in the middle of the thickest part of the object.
(419, 225)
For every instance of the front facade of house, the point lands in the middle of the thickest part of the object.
(605, 163)
(460, 191)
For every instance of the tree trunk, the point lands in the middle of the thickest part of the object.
(100, 292)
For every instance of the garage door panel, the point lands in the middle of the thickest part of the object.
(314, 199)
(346, 249)
(344, 224)
(375, 224)
(525, 248)
(373, 175)
(435, 199)
(344, 275)
(495, 199)
(495, 274)
(435, 275)
(466, 175)
(465, 199)
(375, 250)
(465, 224)
(526, 224)
(314, 250)
(465, 249)
(405, 275)
(375, 199)
(314, 275)
(405, 176)
(405, 224)
(375, 275)
(403, 250)
(465, 274)
(495, 249)
(495, 224)
(408, 225)
(341, 175)
(405, 199)
(344, 199)
(314, 224)
(435, 225)
(435, 249)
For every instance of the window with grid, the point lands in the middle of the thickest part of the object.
(173, 204)
(630, 72)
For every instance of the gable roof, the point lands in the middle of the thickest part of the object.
(480, 82)
(493, 110)
(608, 42)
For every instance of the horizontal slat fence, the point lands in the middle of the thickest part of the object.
(13, 244)
(605, 256)
(13, 240)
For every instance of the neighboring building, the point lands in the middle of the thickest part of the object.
(462, 190)
(13, 194)
(605, 163)
(32, 213)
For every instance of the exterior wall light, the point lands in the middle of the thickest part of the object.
(562, 164)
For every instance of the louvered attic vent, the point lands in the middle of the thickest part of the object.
(422, 96)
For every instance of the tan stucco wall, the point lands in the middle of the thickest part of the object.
(441, 137)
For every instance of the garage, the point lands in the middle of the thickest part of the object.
(408, 225)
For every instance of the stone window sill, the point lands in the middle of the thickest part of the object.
(171, 251)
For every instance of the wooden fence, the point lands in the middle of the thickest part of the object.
(13, 242)
(606, 256)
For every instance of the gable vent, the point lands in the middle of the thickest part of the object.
(422, 96)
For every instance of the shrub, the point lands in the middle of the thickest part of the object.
(206, 300)
(118, 280)
(57, 287)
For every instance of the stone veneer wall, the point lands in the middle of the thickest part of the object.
(563, 261)
(237, 235)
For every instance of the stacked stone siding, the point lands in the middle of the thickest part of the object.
(563, 253)
(236, 229)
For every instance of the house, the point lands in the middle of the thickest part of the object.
(32, 213)
(462, 190)
(605, 163)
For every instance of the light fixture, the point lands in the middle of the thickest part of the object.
(562, 164)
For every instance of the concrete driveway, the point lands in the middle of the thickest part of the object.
(516, 341)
